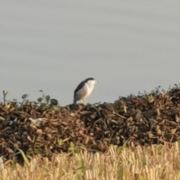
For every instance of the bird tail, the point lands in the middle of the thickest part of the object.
(74, 100)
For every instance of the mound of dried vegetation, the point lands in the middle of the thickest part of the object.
(45, 128)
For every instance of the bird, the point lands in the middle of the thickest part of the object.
(83, 90)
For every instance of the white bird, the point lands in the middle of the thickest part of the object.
(84, 89)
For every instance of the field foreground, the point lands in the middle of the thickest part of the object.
(153, 162)
(136, 137)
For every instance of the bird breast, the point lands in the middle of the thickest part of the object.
(89, 87)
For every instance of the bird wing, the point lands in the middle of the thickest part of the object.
(80, 86)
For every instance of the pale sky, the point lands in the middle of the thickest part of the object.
(128, 46)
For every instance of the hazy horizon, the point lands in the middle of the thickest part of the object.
(53, 45)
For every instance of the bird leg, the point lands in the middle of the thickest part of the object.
(83, 101)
